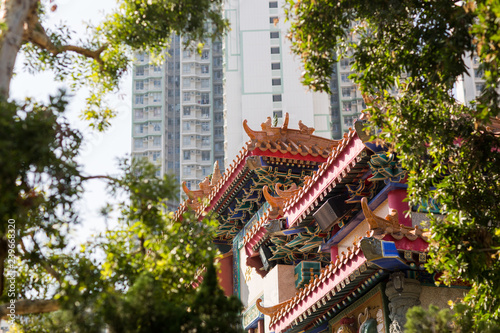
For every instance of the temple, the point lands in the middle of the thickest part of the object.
(316, 235)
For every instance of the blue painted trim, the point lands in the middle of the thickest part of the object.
(355, 221)
(254, 322)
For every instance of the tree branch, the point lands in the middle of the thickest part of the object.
(99, 177)
(35, 33)
(23, 307)
(42, 261)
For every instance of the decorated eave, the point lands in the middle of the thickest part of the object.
(273, 155)
(351, 273)
(344, 172)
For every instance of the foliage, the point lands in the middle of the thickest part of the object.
(407, 56)
(137, 277)
(433, 320)
(99, 60)
(436, 320)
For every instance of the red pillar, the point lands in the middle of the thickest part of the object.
(395, 199)
(334, 251)
(260, 326)
(226, 273)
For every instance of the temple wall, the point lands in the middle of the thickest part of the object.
(439, 296)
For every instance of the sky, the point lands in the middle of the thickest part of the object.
(100, 149)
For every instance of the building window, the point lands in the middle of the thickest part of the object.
(137, 143)
(139, 71)
(218, 103)
(139, 114)
(205, 54)
(273, 4)
(186, 68)
(205, 69)
(278, 114)
(347, 106)
(186, 83)
(186, 170)
(217, 61)
(274, 34)
(217, 75)
(273, 19)
(345, 64)
(157, 141)
(139, 129)
(140, 57)
(219, 146)
(186, 96)
(205, 141)
(139, 99)
(348, 121)
(479, 88)
(157, 69)
(276, 82)
(478, 73)
(218, 118)
(346, 92)
(205, 98)
(218, 89)
(205, 156)
(345, 78)
(277, 98)
(156, 111)
(186, 111)
(205, 113)
(186, 125)
(139, 85)
(275, 50)
(187, 154)
(156, 97)
(186, 140)
(218, 132)
(186, 53)
(276, 65)
(205, 83)
(156, 156)
(205, 127)
(157, 127)
(157, 83)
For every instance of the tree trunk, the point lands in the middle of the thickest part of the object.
(13, 16)
(23, 307)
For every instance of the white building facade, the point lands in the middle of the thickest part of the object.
(262, 76)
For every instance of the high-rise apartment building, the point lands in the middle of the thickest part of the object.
(262, 76)
(469, 87)
(178, 111)
(346, 101)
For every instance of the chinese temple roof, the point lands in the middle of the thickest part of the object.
(346, 276)
(273, 155)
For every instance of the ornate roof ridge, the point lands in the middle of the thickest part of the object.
(277, 312)
(255, 228)
(380, 227)
(285, 140)
(230, 170)
(309, 181)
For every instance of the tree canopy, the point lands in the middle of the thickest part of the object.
(138, 276)
(407, 56)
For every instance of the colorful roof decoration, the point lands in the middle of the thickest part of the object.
(291, 142)
(292, 198)
(324, 292)
(276, 155)
(380, 227)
